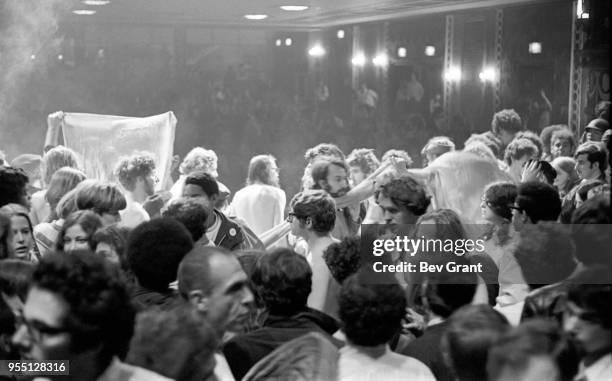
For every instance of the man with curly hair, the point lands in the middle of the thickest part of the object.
(371, 315)
(403, 200)
(505, 125)
(282, 280)
(13, 187)
(78, 310)
(362, 162)
(201, 160)
(136, 174)
(312, 217)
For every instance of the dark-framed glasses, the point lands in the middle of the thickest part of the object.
(38, 330)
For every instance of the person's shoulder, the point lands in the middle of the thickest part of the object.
(120, 371)
(410, 365)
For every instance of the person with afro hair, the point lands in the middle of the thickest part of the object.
(154, 251)
(372, 315)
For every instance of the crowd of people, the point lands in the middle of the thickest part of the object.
(189, 281)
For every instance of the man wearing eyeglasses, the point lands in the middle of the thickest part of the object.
(312, 217)
(535, 201)
(78, 310)
(136, 174)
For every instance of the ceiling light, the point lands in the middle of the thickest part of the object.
(340, 33)
(84, 12)
(33, 57)
(358, 59)
(288, 42)
(294, 8)
(401, 52)
(430, 51)
(316, 51)
(60, 57)
(488, 74)
(256, 17)
(96, 2)
(381, 60)
(279, 42)
(453, 74)
(535, 47)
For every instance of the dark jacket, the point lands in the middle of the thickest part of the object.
(427, 350)
(243, 351)
(311, 357)
(144, 299)
(233, 235)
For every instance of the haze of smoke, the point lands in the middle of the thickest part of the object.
(28, 33)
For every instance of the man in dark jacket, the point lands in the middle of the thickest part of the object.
(155, 250)
(220, 229)
(282, 280)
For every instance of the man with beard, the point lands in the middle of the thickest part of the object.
(136, 174)
(261, 203)
(331, 175)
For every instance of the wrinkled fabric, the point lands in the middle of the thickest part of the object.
(102, 140)
(311, 357)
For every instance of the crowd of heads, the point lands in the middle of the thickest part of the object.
(171, 294)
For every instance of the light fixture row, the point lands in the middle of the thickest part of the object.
(488, 74)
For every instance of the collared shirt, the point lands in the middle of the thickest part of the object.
(600, 370)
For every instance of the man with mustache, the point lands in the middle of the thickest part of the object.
(331, 175)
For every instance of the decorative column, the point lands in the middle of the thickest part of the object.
(499, 33)
(575, 90)
(385, 43)
(355, 70)
(449, 38)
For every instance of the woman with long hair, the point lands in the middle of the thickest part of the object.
(23, 244)
(62, 182)
(78, 230)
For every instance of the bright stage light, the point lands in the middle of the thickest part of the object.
(358, 60)
(256, 17)
(288, 42)
(96, 2)
(488, 74)
(60, 57)
(294, 8)
(381, 60)
(535, 47)
(84, 12)
(33, 57)
(430, 51)
(340, 34)
(401, 52)
(316, 51)
(279, 42)
(453, 74)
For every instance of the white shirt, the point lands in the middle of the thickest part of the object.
(212, 231)
(355, 365)
(600, 370)
(40, 209)
(133, 214)
(260, 206)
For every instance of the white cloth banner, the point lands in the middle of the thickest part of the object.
(102, 140)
